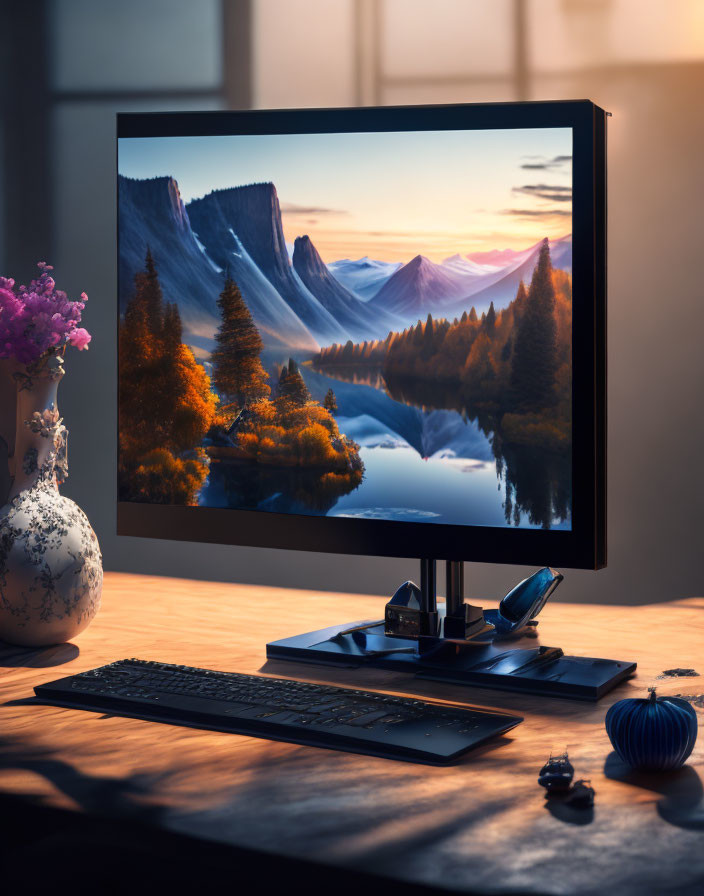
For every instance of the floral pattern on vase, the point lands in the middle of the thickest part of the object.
(50, 563)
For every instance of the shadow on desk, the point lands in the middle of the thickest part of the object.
(682, 802)
(117, 843)
(53, 850)
(12, 656)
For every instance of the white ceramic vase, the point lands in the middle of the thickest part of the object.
(51, 572)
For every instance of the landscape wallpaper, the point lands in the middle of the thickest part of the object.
(367, 325)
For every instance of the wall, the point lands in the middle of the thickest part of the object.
(642, 62)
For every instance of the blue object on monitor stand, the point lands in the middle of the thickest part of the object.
(524, 602)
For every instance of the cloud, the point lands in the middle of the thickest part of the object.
(551, 192)
(290, 208)
(536, 212)
(546, 164)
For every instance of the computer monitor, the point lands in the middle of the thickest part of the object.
(374, 331)
(369, 331)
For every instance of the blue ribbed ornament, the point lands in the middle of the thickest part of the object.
(656, 734)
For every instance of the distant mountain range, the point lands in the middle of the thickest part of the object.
(462, 264)
(418, 287)
(448, 289)
(365, 276)
(296, 300)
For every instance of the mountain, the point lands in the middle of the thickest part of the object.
(452, 287)
(364, 276)
(561, 253)
(502, 289)
(560, 250)
(250, 217)
(361, 320)
(278, 325)
(463, 265)
(417, 288)
(499, 258)
(152, 214)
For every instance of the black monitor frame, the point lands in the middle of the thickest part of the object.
(584, 546)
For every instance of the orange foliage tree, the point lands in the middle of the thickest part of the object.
(165, 402)
(514, 364)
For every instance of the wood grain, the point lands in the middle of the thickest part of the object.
(480, 824)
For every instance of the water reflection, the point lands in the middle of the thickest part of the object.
(428, 455)
(534, 484)
(277, 489)
(538, 484)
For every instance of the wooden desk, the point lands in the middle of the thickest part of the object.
(482, 824)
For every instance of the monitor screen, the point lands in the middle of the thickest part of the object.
(357, 324)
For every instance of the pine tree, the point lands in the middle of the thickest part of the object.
(165, 403)
(428, 334)
(506, 350)
(535, 351)
(238, 374)
(172, 331)
(519, 303)
(473, 315)
(291, 385)
(418, 334)
(490, 320)
(151, 298)
(463, 319)
(330, 401)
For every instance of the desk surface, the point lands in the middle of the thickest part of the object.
(480, 824)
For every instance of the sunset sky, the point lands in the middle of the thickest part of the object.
(390, 196)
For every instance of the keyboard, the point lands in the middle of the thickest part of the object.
(280, 709)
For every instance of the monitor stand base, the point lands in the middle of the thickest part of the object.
(521, 666)
(514, 662)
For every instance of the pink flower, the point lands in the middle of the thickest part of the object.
(80, 338)
(38, 319)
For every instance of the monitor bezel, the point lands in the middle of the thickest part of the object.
(584, 546)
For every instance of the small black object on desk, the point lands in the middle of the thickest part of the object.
(582, 795)
(557, 773)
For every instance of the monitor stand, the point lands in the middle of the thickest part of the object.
(454, 642)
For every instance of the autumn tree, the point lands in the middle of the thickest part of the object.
(330, 401)
(291, 385)
(238, 374)
(165, 402)
(534, 362)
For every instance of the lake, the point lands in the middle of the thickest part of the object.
(432, 464)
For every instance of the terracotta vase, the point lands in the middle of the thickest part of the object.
(51, 571)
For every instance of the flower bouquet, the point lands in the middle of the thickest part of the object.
(50, 562)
